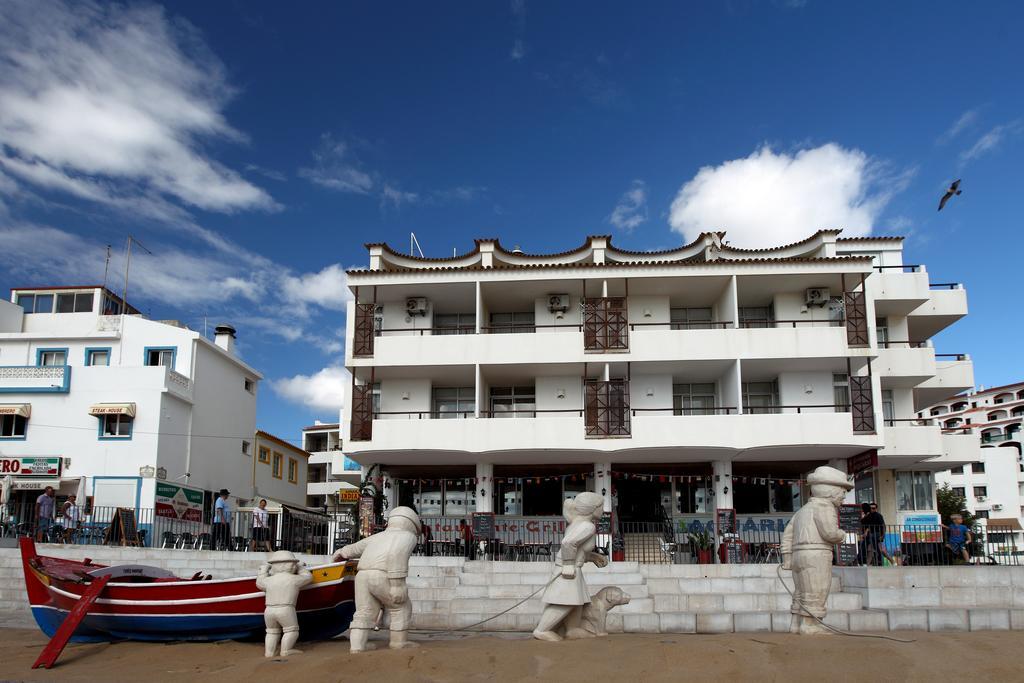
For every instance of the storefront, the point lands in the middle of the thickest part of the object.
(29, 477)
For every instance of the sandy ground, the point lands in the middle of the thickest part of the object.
(979, 656)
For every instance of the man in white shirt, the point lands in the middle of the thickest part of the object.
(222, 521)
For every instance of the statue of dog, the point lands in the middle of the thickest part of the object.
(595, 615)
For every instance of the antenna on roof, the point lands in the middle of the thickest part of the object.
(413, 242)
(127, 265)
(106, 268)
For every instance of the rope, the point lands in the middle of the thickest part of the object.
(778, 570)
(506, 611)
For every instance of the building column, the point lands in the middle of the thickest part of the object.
(722, 470)
(484, 487)
(840, 464)
(603, 483)
(390, 491)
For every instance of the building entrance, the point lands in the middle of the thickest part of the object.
(642, 501)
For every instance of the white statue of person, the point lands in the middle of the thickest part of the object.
(567, 593)
(807, 546)
(281, 578)
(380, 581)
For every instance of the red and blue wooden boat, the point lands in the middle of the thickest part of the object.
(149, 603)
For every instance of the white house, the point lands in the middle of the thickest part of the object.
(672, 382)
(333, 476)
(993, 486)
(110, 404)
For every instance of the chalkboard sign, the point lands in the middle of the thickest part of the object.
(846, 554)
(122, 529)
(618, 544)
(849, 518)
(725, 521)
(604, 525)
(483, 525)
(733, 552)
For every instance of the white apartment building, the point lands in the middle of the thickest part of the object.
(672, 382)
(993, 486)
(97, 400)
(333, 477)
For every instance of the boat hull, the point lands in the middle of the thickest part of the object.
(176, 609)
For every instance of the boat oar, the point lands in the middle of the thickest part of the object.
(60, 639)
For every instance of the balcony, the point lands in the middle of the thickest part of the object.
(322, 488)
(905, 364)
(954, 373)
(31, 379)
(947, 303)
(179, 385)
(897, 290)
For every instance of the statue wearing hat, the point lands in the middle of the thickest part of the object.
(807, 546)
(281, 578)
(567, 593)
(380, 581)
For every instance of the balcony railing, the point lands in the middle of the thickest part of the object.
(897, 344)
(679, 325)
(763, 324)
(945, 285)
(35, 379)
(902, 269)
(952, 356)
(682, 412)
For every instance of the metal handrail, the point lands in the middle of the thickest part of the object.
(431, 414)
(768, 410)
(682, 412)
(461, 329)
(532, 412)
(759, 324)
(681, 325)
(910, 344)
(945, 285)
(904, 268)
(529, 326)
(955, 356)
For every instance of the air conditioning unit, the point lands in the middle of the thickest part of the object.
(997, 506)
(558, 304)
(980, 499)
(416, 305)
(817, 296)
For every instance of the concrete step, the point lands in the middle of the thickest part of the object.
(481, 567)
(743, 602)
(725, 585)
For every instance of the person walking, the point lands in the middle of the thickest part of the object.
(261, 528)
(71, 513)
(873, 528)
(959, 537)
(466, 536)
(222, 521)
(44, 513)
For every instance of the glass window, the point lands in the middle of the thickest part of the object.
(978, 467)
(160, 357)
(959, 469)
(65, 303)
(882, 331)
(960, 491)
(693, 399)
(454, 323)
(841, 392)
(53, 358)
(980, 491)
(111, 307)
(116, 426)
(74, 303)
(248, 385)
(981, 514)
(278, 465)
(264, 454)
(760, 398)
(27, 302)
(245, 446)
(513, 402)
(44, 303)
(12, 426)
(756, 316)
(914, 491)
(691, 318)
(512, 322)
(453, 402)
(864, 487)
(888, 406)
(293, 470)
(97, 357)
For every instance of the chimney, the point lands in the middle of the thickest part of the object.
(224, 337)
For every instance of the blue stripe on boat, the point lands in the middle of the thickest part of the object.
(313, 625)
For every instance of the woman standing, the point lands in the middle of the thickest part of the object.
(261, 528)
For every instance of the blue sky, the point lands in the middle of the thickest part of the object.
(254, 147)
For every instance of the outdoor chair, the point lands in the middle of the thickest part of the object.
(204, 542)
(170, 540)
(239, 544)
(186, 540)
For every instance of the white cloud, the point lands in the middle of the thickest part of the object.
(631, 211)
(991, 140)
(392, 196)
(518, 51)
(111, 104)
(771, 198)
(327, 288)
(321, 391)
(336, 168)
(960, 125)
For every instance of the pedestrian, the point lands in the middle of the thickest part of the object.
(466, 535)
(959, 537)
(222, 521)
(427, 536)
(44, 512)
(70, 513)
(873, 531)
(261, 528)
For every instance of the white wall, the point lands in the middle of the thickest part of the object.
(10, 317)
(391, 401)
(793, 389)
(547, 389)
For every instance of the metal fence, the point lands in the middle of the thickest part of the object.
(287, 529)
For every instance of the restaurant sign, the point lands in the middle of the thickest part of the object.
(31, 466)
(178, 502)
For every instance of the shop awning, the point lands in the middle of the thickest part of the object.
(113, 409)
(19, 409)
(998, 523)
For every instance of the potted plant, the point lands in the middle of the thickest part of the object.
(704, 543)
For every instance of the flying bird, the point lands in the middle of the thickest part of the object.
(953, 189)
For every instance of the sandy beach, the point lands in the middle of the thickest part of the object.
(981, 656)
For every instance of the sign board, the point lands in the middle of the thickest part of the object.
(174, 501)
(350, 465)
(483, 525)
(35, 484)
(733, 553)
(366, 516)
(604, 525)
(123, 529)
(348, 495)
(846, 554)
(922, 528)
(31, 466)
(725, 521)
(862, 462)
(849, 518)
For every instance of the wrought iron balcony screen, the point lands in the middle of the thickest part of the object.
(362, 342)
(362, 412)
(605, 324)
(607, 408)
